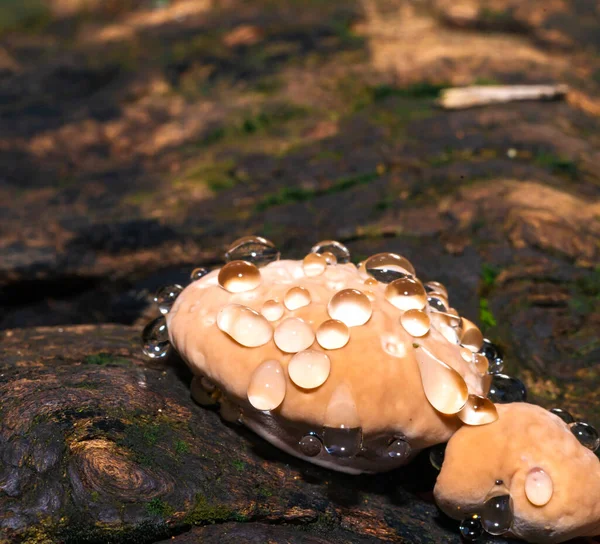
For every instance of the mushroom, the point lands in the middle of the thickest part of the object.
(526, 474)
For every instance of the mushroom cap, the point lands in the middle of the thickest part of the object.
(524, 438)
(378, 364)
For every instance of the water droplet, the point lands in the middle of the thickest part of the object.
(310, 445)
(505, 389)
(538, 487)
(296, 297)
(309, 369)
(341, 252)
(342, 435)
(471, 336)
(443, 323)
(293, 335)
(494, 356)
(333, 334)
(388, 267)
(239, 276)
(444, 387)
(155, 338)
(200, 394)
(350, 306)
(481, 363)
(437, 302)
(267, 386)
(563, 414)
(436, 456)
(230, 411)
(406, 294)
(314, 265)
(436, 287)
(497, 512)
(253, 249)
(415, 322)
(371, 282)
(244, 325)
(399, 449)
(586, 434)
(198, 273)
(478, 411)
(329, 257)
(272, 310)
(471, 528)
(165, 297)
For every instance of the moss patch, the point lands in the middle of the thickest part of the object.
(157, 507)
(105, 359)
(205, 512)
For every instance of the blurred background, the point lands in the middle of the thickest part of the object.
(139, 137)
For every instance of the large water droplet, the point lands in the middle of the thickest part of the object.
(505, 389)
(342, 434)
(314, 265)
(198, 273)
(340, 251)
(497, 512)
(436, 287)
(350, 306)
(239, 276)
(310, 445)
(471, 528)
(481, 363)
(293, 335)
(406, 294)
(443, 323)
(267, 386)
(333, 334)
(437, 302)
(309, 369)
(444, 387)
(244, 325)
(155, 338)
(166, 296)
(272, 310)
(329, 257)
(415, 322)
(471, 336)
(586, 434)
(478, 411)
(296, 297)
(436, 456)
(399, 449)
(253, 249)
(387, 267)
(563, 414)
(538, 487)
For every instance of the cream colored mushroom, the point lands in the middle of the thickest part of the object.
(553, 480)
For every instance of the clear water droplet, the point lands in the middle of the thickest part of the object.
(244, 325)
(436, 456)
(436, 287)
(310, 445)
(293, 335)
(329, 257)
(497, 512)
(471, 336)
(444, 387)
(230, 411)
(266, 390)
(493, 355)
(563, 414)
(415, 322)
(478, 411)
(350, 306)
(370, 282)
(443, 324)
(296, 297)
(200, 394)
(314, 264)
(272, 310)
(406, 294)
(437, 302)
(538, 487)
(481, 363)
(165, 297)
(253, 249)
(399, 449)
(155, 338)
(505, 389)
(309, 369)
(586, 434)
(198, 273)
(471, 528)
(342, 434)
(341, 252)
(388, 267)
(333, 334)
(239, 277)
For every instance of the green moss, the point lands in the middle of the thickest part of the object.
(95, 496)
(483, 81)
(217, 177)
(105, 359)
(289, 195)
(85, 385)
(486, 317)
(204, 512)
(557, 164)
(264, 492)
(240, 466)
(157, 507)
(181, 447)
(489, 274)
(422, 89)
(28, 16)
